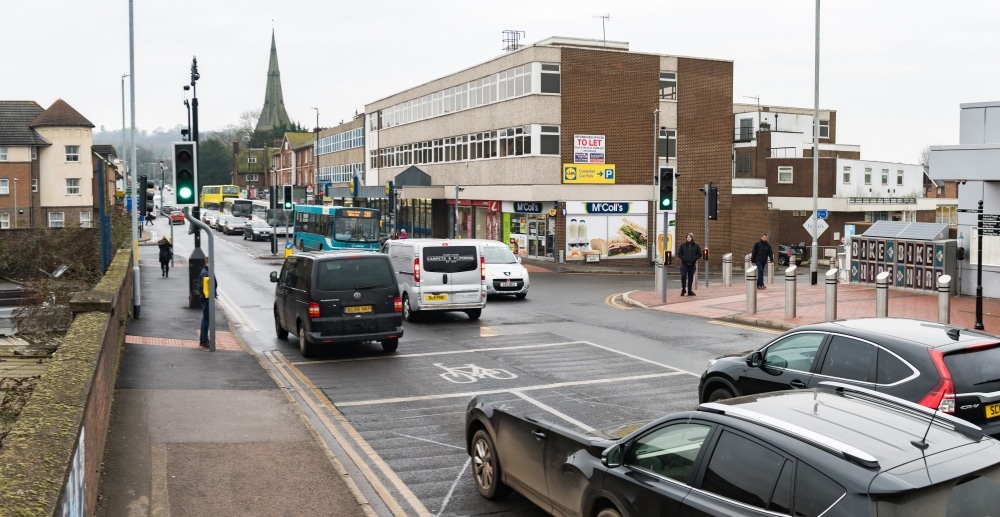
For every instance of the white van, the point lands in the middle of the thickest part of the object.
(504, 272)
(439, 275)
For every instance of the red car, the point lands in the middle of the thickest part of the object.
(176, 217)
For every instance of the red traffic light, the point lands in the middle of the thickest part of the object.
(704, 253)
(184, 155)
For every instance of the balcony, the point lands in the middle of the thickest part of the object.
(881, 201)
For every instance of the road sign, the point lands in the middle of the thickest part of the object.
(821, 226)
(821, 213)
(989, 224)
(970, 210)
(992, 232)
(991, 217)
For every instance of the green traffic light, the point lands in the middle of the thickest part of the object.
(186, 193)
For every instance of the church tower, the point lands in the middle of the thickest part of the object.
(273, 113)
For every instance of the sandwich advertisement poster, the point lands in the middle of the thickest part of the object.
(608, 229)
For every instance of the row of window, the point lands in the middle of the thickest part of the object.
(5, 186)
(508, 84)
(339, 173)
(56, 220)
(350, 139)
(868, 176)
(72, 153)
(501, 143)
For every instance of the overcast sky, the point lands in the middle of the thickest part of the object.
(895, 71)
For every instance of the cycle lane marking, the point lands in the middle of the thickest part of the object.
(553, 411)
(444, 352)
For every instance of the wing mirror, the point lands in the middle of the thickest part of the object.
(612, 456)
(755, 359)
(274, 276)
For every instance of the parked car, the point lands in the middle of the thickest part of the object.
(176, 217)
(952, 369)
(788, 255)
(333, 297)
(504, 272)
(256, 229)
(233, 225)
(835, 451)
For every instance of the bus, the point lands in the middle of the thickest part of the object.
(212, 196)
(320, 227)
(238, 207)
(261, 210)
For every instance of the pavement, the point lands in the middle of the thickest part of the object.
(195, 432)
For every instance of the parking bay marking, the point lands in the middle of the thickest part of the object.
(446, 352)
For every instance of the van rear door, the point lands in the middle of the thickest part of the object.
(450, 275)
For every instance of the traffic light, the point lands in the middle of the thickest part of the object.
(287, 196)
(704, 253)
(667, 188)
(390, 193)
(185, 174)
(713, 203)
(142, 193)
(149, 188)
(272, 197)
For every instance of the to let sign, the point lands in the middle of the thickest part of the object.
(588, 149)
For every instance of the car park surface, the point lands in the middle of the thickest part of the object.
(953, 369)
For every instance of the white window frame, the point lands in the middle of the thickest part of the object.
(72, 186)
(84, 219)
(4, 187)
(34, 152)
(899, 177)
(34, 184)
(57, 219)
(252, 177)
(4, 221)
(868, 175)
(885, 176)
(847, 175)
(824, 129)
(252, 159)
(3, 154)
(72, 153)
(785, 170)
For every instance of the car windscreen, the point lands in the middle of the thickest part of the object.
(450, 259)
(975, 369)
(353, 274)
(498, 255)
(257, 223)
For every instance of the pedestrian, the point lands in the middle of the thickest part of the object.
(761, 255)
(150, 217)
(203, 289)
(403, 235)
(689, 252)
(166, 255)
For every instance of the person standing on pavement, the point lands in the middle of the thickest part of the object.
(203, 287)
(689, 252)
(166, 253)
(761, 255)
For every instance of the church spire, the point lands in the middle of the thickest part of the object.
(273, 113)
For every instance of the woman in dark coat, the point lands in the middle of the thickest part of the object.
(166, 253)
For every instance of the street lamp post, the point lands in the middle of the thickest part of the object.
(457, 190)
(815, 228)
(124, 150)
(16, 218)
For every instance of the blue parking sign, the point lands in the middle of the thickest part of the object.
(821, 214)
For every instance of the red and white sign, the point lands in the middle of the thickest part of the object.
(309, 189)
(588, 149)
(494, 206)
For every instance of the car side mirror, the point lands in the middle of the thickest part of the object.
(755, 359)
(274, 277)
(612, 456)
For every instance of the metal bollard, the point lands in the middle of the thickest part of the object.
(882, 295)
(770, 272)
(944, 299)
(727, 269)
(790, 291)
(831, 295)
(752, 290)
(746, 262)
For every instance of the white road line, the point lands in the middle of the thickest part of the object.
(554, 411)
(432, 354)
(626, 354)
(447, 497)
(470, 394)
(235, 313)
(430, 441)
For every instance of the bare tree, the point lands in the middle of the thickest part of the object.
(247, 125)
(925, 158)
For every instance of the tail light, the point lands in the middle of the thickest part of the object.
(482, 268)
(397, 304)
(416, 270)
(313, 310)
(942, 395)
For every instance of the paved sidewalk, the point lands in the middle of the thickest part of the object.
(197, 433)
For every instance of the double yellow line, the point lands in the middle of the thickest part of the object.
(612, 300)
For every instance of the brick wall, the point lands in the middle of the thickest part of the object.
(802, 177)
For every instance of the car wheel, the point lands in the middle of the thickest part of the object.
(390, 345)
(278, 329)
(520, 296)
(305, 348)
(408, 314)
(609, 512)
(486, 467)
(474, 314)
(720, 394)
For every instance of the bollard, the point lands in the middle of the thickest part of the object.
(882, 295)
(831, 295)
(770, 272)
(790, 291)
(727, 269)
(746, 262)
(752, 290)
(944, 299)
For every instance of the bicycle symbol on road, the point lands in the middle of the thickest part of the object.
(472, 373)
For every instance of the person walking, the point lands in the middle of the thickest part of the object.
(166, 254)
(689, 252)
(203, 287)
(150, 217)
(403, 235)
(761, 255)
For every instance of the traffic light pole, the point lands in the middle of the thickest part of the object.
(707, 187)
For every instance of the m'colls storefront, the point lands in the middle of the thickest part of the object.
(530, 228)
(603, 230)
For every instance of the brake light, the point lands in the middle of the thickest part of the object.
(942, 395)
(313, 310)
(397, 304)
(416, 270)
(482, 268)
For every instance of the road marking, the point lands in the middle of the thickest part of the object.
(610, 300)
(235, 313)
(554, 411)
(745, 327)
(311, 395)
(432, 354)
(470, 394)
(447, 497)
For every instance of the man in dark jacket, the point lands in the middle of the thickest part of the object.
(760, 256)
(203, 290)
(688, 253)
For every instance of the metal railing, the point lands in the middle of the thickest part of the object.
(882, 201)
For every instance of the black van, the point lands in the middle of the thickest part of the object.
(331, 297)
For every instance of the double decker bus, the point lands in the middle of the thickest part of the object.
(213, 196)
(336, 227)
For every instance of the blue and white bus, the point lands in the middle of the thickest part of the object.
(336, 227)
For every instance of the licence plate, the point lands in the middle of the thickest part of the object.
(992, 410)
(443, 297)
(507, 283)
(358, 309)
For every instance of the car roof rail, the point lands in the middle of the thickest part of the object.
(824, 442)
(963, 426)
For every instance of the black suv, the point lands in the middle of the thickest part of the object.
(953, 369)
(332, 297)
(832, 451)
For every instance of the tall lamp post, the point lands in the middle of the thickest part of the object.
(815, 245)
(16, 218)
(124, 150)
(457, 190)
(137, 290)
